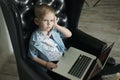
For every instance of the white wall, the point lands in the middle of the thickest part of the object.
(5, 42)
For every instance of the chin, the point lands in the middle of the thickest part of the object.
(49, 29)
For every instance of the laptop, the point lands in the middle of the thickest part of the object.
(80, 65)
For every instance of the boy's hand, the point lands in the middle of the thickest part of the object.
(66, 32)
(55, 21)
(51, 65)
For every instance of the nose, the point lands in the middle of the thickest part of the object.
(48, 22)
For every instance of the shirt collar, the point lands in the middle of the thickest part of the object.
(44, 33)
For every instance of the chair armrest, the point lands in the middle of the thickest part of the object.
(27, 73)
(87, 43)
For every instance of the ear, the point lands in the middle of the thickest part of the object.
(36, 21)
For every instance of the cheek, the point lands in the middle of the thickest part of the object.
(52, 23)
(41, 24)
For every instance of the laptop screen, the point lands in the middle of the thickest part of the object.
(105, 54)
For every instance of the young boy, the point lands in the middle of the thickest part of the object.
(46, 46)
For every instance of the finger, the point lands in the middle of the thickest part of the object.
(55, 65)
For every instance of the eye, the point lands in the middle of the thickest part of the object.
(51, 20)
(45, 20)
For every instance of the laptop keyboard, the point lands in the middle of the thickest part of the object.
(80, 66)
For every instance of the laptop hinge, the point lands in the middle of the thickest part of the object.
(95, 70)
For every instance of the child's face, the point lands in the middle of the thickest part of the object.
(47, 22)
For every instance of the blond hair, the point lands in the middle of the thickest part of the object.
(41, 10)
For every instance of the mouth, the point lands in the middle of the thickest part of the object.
(48, 27)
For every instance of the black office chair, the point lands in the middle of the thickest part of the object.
(19, 19)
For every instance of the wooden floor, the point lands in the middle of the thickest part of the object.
(9, 70)
(101, 21)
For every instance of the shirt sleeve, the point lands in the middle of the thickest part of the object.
(32, 52)
(60, 34)
(35, 50)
